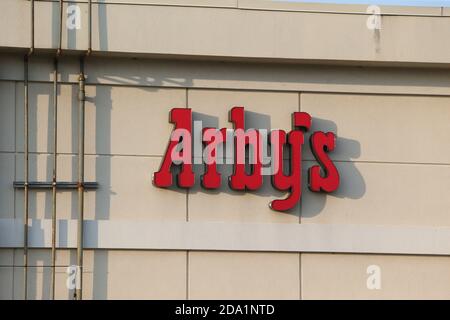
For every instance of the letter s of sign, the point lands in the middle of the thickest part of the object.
(321, 143)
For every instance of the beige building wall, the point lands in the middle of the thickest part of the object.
(387, 101)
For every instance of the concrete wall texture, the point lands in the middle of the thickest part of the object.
(385, 93)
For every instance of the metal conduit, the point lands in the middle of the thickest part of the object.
(25, 226)
(81, 124)
(54, 185)
(81, 135)
(55, 133)
(32, 29)
(26, 156)
(58, 51)
(89, 51)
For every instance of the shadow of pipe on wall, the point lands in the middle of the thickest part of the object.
(102, 166)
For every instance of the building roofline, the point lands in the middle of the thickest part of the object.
(270, 5)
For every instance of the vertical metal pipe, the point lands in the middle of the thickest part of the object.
(55, 150)
(89, 27)
(26, 180)
(26, 156)
(58, 51)
(81, 118)
(81, 133)
(32, 29)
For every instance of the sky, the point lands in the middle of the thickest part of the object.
(429, 3)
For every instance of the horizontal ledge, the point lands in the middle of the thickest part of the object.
(49, 52)
(280, 237)
(306, 159)
(283, 35)
(270, 5)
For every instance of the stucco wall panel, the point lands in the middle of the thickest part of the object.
(144, 275)
(6, 190)
(336, 276)
(226, 205)
(12, 28)
(6, 273)
(264, 110)
(244, 275)
(6, 281)
(7, 119)
(382, 194)
(131, 121)
(383, 128)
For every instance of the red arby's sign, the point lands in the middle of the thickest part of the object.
(253, 154)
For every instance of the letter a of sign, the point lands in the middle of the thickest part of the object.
(182, 118)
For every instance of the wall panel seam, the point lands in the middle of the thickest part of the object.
(306, 159)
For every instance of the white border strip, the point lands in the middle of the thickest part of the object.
(125, 234)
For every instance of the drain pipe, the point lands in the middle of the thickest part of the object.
(26, 180)
(81, 125)
(31, 51)
(89, 51)
(26, 157)
(55, 146)
(58, 51)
